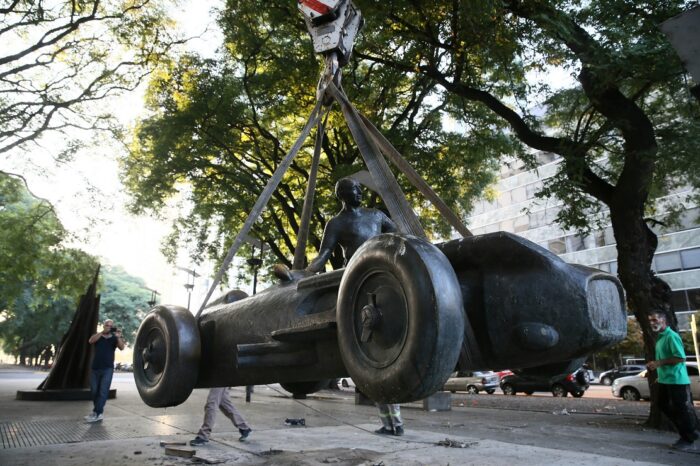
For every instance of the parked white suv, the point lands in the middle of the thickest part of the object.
(636, 387)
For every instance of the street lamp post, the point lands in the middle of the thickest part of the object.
(154, 297)
(189, 286)
(254, 263)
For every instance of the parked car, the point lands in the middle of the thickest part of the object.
(472, 382)
(636, 387)
(574, 383)
(607, 377)
(503, 373)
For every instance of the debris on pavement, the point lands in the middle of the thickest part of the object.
(449, 443)
(182, 452)
(563, 412)
(207, 459)
(295, 422)
(171, 443)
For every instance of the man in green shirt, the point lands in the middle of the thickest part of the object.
(674, 384)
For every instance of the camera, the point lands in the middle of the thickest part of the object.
(113, 330)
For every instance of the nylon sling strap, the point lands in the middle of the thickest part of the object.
(307, 210)
(416, 180)
(260, 204)
(389, 190)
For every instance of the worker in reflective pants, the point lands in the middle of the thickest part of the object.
(392, 424)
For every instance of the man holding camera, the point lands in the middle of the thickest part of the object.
(106, 342)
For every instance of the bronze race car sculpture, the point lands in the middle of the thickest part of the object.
(398, 320)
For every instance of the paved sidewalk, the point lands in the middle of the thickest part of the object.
(533, 430)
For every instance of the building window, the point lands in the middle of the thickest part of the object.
(536, 219)
(599, 238)
(521, 224)
(694, 299)
(545, 157)
(679, 301)
(531, 189)
(689, 219)
(518, 195)
(557, 246)
(685, 300)
(478, 208)
(613, 268)
(609, 236)
(574, 243)
(668, 262)
(690, 259)
(504, 199)
(506, 225)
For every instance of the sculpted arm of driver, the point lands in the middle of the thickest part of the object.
(328, 244)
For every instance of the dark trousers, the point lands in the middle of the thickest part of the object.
(100, 380)
(677, 404)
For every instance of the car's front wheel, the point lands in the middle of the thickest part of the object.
(472, 390)
(606, 381)
(508, 389)
(559, 390)
(490, 391)
(578, 394)
(166, 356)
(400, 318)
(630, 394)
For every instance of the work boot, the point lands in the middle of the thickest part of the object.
(384, 431)
(398, 431)
(198, 441)
(244, 434)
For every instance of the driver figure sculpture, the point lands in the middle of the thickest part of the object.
(351, 227)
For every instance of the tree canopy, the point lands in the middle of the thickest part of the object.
(60, 57)
(124, 299)
(42, 278)
(219, 128)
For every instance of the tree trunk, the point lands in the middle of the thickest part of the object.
(636, 244)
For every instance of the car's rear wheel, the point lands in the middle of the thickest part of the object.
(529, 392)
(559, 390)
(606, 381)
(301, 389)
(630, 394)
(400, 318)
(508, 389)
(577, 394)
(490, 391)
(166, 356)
(472, 390)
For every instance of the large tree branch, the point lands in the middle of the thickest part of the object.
(598, 82)
(567, 148)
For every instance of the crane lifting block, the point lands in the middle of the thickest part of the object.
(332, 25)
